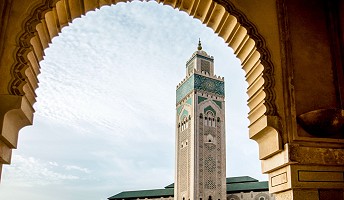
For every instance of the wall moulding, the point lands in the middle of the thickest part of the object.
(305, 177)
(295, 154)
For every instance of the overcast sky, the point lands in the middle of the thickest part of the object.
(105, 109)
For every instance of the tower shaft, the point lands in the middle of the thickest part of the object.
(200, 132)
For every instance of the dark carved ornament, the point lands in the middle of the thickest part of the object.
(37, 14)
(24, 46)
(265, 56)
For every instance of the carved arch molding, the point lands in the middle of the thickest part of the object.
(45, 21)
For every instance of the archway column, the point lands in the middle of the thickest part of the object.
(15, 113)
(306, 172)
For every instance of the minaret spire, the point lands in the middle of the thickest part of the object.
(199, 44)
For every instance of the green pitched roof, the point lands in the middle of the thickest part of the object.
(248, 186)
(234, 184)
(167, 192)
(240, 179)
(170, 185)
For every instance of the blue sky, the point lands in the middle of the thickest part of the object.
(105, 109)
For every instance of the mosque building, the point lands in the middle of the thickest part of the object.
(200, 170)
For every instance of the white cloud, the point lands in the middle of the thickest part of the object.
(53, 164)
(77, 168)
(32, 171)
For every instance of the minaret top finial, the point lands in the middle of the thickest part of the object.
(199, 44)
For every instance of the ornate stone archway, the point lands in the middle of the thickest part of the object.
(259, 33)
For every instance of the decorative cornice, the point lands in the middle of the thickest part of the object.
(265, 57)
(24, 46)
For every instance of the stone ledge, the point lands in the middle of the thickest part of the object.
(306, 177)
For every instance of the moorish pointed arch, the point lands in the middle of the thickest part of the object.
(46, 19)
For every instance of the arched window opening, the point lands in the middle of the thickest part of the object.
(209, 198)
(209, 119)
(209, 113)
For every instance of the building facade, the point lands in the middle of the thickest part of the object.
(200, 131)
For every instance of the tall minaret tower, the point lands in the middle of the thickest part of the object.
(200, 132)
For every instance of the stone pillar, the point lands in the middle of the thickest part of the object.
(301, 172)
(15, 113)
(309, 160)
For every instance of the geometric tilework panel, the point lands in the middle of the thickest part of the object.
(185, 89)
(209, 85)
(200, 99)
(202, 83)
(219, 103)
(210, 164)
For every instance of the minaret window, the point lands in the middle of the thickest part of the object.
(209, 139)
(209, 120)
(205, 66)
(184, 124)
